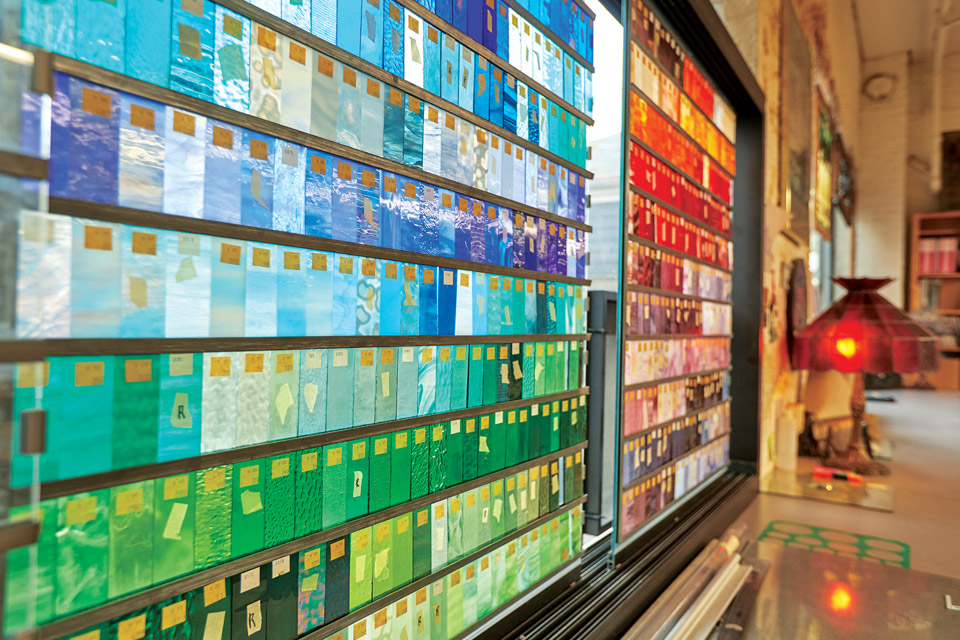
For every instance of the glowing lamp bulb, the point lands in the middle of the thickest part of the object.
(847, 347)
(840, 598)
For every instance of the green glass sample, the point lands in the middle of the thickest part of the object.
(248, 591)
(510, 502)
(484, 451)
(281, 598)
(555, 479)
(576, 530)
(484, 531)
(402, 550)
(459, 380)
(491, 373)
(560, 372)
(214, 519)
(469, 449)
(497, 586)
(101, 630)
(312, 583)
(130, 625)
(469, 595)
(438, 610)
(400, 467)
(454, 529)
(454, 589)
(247, 525)
(497, 507)
(573, 365)
(444, 378)
(438, 459)
(484, 587)
(566, 434)
(534, 447)
(174, 526)
(498, 442)
(453, 434)
(386, 401)
(284, 390)
(555, 426)
(533, 555)
(546, 425)
(380, 473)
(568, 479)
(383, 559)
(438, 537)
(545, 490)
(208, 611)
(135, 409)
(33, 564)
(361, 569)
(515, 391)
(475, 377)
(471, 521)
(309, 492)
(521, 497)
(510, 572)
(529, 371)
(420, 464)
(577, 475)
(523, 435)
(172, 621)
(550, 368)
(421, 542)
(280, 507)
(358, 478)
(131, 538)
(83, 529)
(334, 485)
(336, 602)
(533, 493)
(539, 370)
(511, 447)
(504, 374)
(523, 567)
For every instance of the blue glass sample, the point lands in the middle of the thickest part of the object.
(413, 133)
(510, 104)
(543, 184)
(94, 142)
(562, 206)
(520, 174)
(578, 87)
(345, 201)
(344, 295)
(324, 20)
(258, 178)
(317, 214)
(481, 90)
(489, 28)
(409, 217)
(324, 107)
(227, 292)
(567, 78)
(432, 61)
(348, 26)
(426, 381)
(270, 6)
(461, 16)
(491, 241)
(100, 33)
(530, 248)
(391, 210)
(340, 386)
(480, 304)
(562, 251)
(432, 141)
(296, 12)
(266, 74)
(187, 285)
(289, 185)
(393, 124)
(495, 165)
(94, 269)
(519, 242)
(50, 25)
(348, 108)
(231, 71)
(523, 111)
(368, 206)
(447, 303)
(464, 321)
(430, 240)
(365, 373)
(481, 148)
(184, 160)
(297, 92)
(466, 79)
(181, 383)
(503, 31)
(444, 9)
(260, 318)
(223, 173)
(410, 305)
(292, 291)
(391, 301)
(371, 109)
(412, 49)
(371, 31)
(148, 25)
(393, 50)
(407, 383)
(142, 282)
(450, 71)
(466, 137)
(140, 166)
(449, 147)
(464, 227)
(428, 301)
(478, 231)
(495, 79)
(191, 55)
(313, 392)
(368, 299)
(318, 305)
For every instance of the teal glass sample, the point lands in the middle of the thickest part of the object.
(371, 32)
(410, 302)
(187, 286)
(345, 276)
(140, 165)
(391, 299)
(432, 61)
(313, 392)
(81, 389)
(475, 377)
(349, 107)
(324, 100)
(247, 526)
(100, 33)
(466, 79)
(288, 189)
(142, 313)
(174, 526)
(94, 303)
(135, 406)
(340, 379)
(386, 385)
(393, 124)
(284, 382)
(253, 402)
(365, 372)
(292, 292)
(83, 531)
(228, 260)
(345, 200)
(444, 380)
(131, 538)
(426, 381)
(348, 26)
(480, 303)
(458, 381)
(231, 71)
(191, 54)
(260, 317)
(318, 297)
(219, 406)
(407, 383)
(50, 25)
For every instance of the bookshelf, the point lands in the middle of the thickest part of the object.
(934, 282)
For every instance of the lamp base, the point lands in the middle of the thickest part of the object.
(856, 459)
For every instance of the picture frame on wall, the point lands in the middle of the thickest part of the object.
(796, 115)
(823, 201)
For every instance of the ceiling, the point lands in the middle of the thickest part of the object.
(888, 27)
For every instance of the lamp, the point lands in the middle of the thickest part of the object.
(864, 333)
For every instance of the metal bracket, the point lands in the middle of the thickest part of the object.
(33, 431)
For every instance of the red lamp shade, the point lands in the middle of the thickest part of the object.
(863, 332)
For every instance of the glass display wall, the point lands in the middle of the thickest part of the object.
(306, 290)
